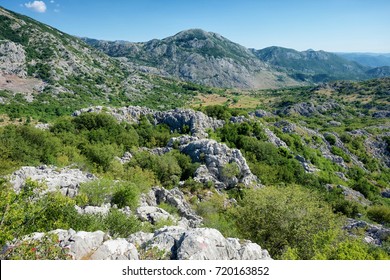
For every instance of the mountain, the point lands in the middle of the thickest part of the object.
(200, 57)
(368, 59)
(383, 71)
(210, 59)
(41, 64)
(314, 66)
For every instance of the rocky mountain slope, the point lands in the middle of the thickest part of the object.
(41, 63)
(310, 65)
(200, 57)
(210, 59)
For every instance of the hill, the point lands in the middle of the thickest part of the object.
(368, 59)
(310, 65)
(59, 73)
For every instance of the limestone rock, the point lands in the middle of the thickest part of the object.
(153, 214)
(118, 249)
(272, 138)
(66, 180)
(215, 156)
(381, 114)
(260, 113)
(202, 244)
(94, 210)
(374, 234)
(178, 119)
(353, 195)
(12, 59)
(174, 198)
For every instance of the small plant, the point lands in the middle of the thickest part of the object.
(45, 248)
(154, 253)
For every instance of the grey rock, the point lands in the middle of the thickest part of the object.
(286, 126)
(202, 244)
(374, 234)
(309, 109)
(127, 156)
(118, 249)
(174, 198)
(353, 195)
(334, 123)
(342, 176)
(215, 157)
(238, 119)
(43, 126)
(196, 122)
(260, 113)
(153, 214)
(66, 180)
(378, 148)
(381, 114)
(12, 59)
(386, 193)
(94, 210)
(272, 138)
(307, 166)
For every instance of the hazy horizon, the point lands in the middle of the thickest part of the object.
(343, 26)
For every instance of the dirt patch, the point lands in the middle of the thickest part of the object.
(15, 84)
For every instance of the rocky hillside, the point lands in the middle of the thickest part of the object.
(42, 64)
(200, 57)
(313, 66)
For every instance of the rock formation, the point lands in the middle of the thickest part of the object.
(66, 180)
(176, 243)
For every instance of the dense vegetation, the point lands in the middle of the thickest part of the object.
(308, 226)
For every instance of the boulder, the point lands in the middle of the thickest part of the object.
(202, 244)
(175, 198)
(66, 180)
(118, 249)
(215, 156)
(94, 210)
(153, 214)
(260, 114)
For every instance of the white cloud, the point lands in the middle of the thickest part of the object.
(37, 6)
(52, 1)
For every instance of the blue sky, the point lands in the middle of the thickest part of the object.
(331, 25)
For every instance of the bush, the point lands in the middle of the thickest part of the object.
(379, 214)
(126, 195)
(339, 152)
(280, 218)
(330, 138)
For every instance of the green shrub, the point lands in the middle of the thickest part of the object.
(119, 224)
(97, 192)
(126, 195)
(379, 213)
(339, 152)
(330, 138)
(280, 218)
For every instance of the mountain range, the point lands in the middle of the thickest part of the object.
(208, 58)
(39, 58)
